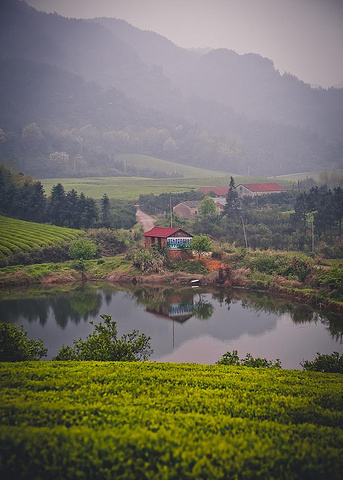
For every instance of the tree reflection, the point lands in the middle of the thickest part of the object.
(73, 306)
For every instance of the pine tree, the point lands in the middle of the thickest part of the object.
(105, 210)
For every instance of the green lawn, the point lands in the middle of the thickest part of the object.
(94, 420)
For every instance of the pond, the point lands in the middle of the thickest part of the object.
(185, 325)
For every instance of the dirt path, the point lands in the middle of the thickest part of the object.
(145, 219)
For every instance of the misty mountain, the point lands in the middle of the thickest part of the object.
(98, 88)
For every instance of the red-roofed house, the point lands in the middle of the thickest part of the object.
(219, 191)
(256, 189)
(171, 238)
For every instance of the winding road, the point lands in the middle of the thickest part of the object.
(146, 220)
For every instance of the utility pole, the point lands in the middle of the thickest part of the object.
(245, 235)
(171, 213)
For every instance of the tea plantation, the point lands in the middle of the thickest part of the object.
(145, 420)
(19, 235)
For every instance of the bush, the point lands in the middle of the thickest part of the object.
(105, 346)
(249, 361)
(16, 347)
(82, 249)
(325, 363)
(148, 261)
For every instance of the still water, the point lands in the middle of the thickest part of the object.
(185, 325)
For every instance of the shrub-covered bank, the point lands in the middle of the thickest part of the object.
(91, 420)
(289, 274)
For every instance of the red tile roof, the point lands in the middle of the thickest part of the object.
(263, 187)
(162, 232)
(220, 191)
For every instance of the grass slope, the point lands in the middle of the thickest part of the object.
(171, 168)
(91, 420)
(19, 235)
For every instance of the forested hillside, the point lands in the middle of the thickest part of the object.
(74, 94)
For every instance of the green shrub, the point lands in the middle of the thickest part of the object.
(249, 361)
(148, 261)
(82, 249)
(16, 347)
(325, 363)
(104, 345)
(195, 266)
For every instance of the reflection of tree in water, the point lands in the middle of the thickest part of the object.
(203, 309)
(303, 314)
(31, 309)
(83, 303)
(299, 313)
(334, 323)
(71, 306)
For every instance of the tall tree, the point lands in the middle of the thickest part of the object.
(105, 210)
(56, 212)
(233, 203)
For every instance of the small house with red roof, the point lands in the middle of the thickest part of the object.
(167, 237)
(256, 189)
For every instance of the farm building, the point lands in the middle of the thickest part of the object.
(219, 191)
(190, 208)
(256, 189)
(174, 239)
(187, 209)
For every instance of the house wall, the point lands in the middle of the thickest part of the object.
(151, 241)
(245, 192)
(183, 211)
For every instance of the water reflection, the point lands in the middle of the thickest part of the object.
(78, 304)
(188, 324)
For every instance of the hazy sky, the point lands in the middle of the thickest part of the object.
(304, 37)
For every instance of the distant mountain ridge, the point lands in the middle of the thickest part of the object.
(98, 88)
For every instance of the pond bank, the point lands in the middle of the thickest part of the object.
(117, 271)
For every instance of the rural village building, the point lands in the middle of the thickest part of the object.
(190, 208)
(219, 191)
(256, 189)
(175, 240)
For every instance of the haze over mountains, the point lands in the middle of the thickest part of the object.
(76, 93)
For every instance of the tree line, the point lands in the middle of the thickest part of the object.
(23, 198)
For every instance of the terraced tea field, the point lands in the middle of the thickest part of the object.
(147, 420)
(21, 236)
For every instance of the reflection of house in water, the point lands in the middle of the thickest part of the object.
(177, 307)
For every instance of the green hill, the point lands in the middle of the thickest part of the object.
(21, 236)
(172, 169)
(91, 420)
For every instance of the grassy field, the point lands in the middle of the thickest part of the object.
(91, 420)
(21, 236)
(129, 188)
(170, 168)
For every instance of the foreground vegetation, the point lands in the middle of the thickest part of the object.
(91, 420)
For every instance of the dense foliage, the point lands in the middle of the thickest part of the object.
(23, 198)
(104, 345)
(16, 347)
(249, 361)
(96, 420)
(325, 363)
